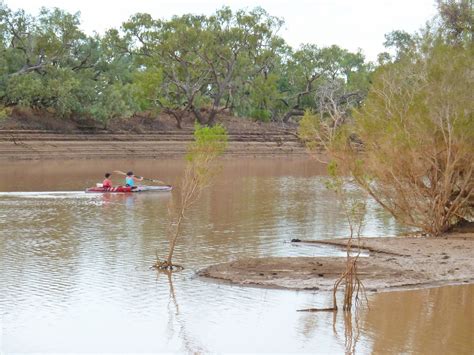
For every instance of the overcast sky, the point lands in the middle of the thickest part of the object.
(351, 24)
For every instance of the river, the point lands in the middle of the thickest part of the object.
(75, 267)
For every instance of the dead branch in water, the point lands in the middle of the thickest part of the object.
(332, 309)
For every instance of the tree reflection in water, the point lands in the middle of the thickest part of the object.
(317, 322)
(351, 329)
(175, 318)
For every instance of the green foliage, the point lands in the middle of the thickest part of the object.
(5, 112)
(113, 101)
(415, 128)
(147, 93)
(261, 115)
(424, 89)
(401, 42)
(332, 169)
(309, 130)
(48, 63)
(209, 143)
(205, 60)
(24, 90)
(263, 97)
(230, 60)
(457, 21)
(418, 131)
(313, 73)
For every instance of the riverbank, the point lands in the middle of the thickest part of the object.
(32, 145)
(23, 139)
(408, 262)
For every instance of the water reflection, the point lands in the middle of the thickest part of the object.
(176, 319)
(429, 321)
(351, 332)
(345, 322)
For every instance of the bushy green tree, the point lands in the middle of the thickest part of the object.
(48, 63)
(322, 77)
(112, 102)
(411, 144)
(400, 42)
(417, 132)
(457, 21)
(203, 60)
(417, 126)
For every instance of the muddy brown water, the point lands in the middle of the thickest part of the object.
(75, 271)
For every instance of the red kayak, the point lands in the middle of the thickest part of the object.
(125, 189)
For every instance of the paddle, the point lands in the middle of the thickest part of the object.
(144, 178)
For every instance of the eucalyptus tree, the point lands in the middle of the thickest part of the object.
(301, 72)
(202, 60)
(454, 23)
(168, 52)
(41, 56)
(311, 70)
(240, 47)
(457, 21)
(256, 91)
(49, 63)
(113, 82)
(190, 64)
(51, 39)
(400, 42)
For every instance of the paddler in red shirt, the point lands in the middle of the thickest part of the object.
(107, 182)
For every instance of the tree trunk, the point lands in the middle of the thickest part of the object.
(179, 118)
(291, 113)
(212, 118)
(198, 115)
(175, 237)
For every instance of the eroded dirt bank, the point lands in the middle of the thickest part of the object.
(393, 263)
(30, 135)
(31, 144)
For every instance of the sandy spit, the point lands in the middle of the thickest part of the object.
(408, 262)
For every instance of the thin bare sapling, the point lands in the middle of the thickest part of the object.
(209, 143)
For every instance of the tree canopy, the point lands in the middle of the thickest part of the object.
(231, 61)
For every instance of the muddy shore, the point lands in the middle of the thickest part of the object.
(394, 263)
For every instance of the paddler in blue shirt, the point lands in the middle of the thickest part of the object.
(130, 179)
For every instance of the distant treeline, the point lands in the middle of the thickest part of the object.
(233, 61)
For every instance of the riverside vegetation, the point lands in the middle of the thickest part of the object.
(410, 146)
(232, 62)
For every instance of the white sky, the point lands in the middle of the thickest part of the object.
(351, 24)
